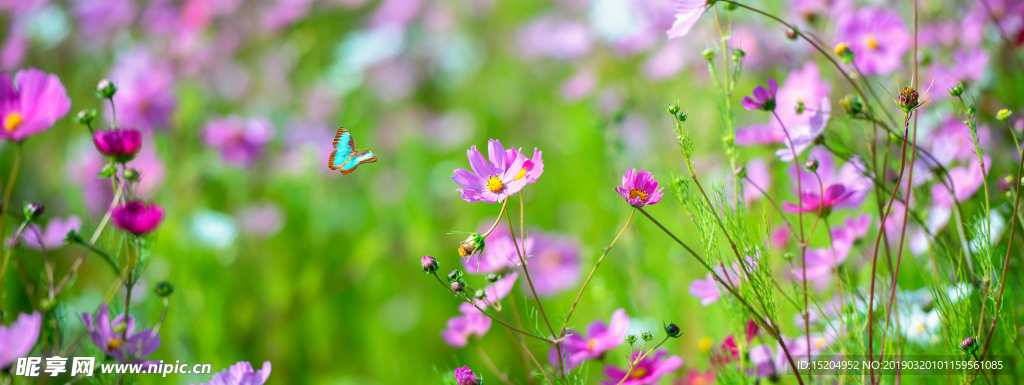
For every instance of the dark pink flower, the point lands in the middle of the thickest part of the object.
(465, 376)
(648, 371)
(599, 339)
(52, 237)
(30, 104)
(120, 144)
(136, 217)
(843, 189)
(764, 99)
(639, 188)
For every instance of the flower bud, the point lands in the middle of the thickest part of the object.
(480, 294)
(33, 211)
(73, 236)
(969, 344)
(106, 89)
(630, 339)
(738, 54)
(458, 286)
(493, 277)
(787, 255)
(455, 275)
(852, 104)
(681, 116)
(740, 172)
(131, 174)
(47, 304)
(812, 164)
(800, 107)
(1003, 114)
(708, 53)
(85, 116)
(908, 99)
(108, 171)
(429, 264)
(957, 90)
(844, 52)
(730, 6)
(791, 34)
(673, 109)
(646, 336)
(163, 289)
(474, 243)
(673, 330)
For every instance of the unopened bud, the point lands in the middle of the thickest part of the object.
(479, 294)
(969, 345)
(163, 289)
(493, 277)
(455, 275)
(630, 339)
(429, 264)
(474, 243)
(131, 174)
(844, 52)
(791, 34)
(708, 54)
(740, 172)
(106, 89)
(673, 330)
(646, 336)
(1003, 114)
(85, 117)
(458, 286)
(852, 104)
(957, 90)
(34, 210)
(673, 109)
(812, 164)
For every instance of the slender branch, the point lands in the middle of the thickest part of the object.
(521, 331)
(5, 205)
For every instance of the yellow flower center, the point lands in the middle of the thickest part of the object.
(495, 184)
(114, 344)
(871, 42)
(635, 193)
(819, 343)
(841, 48)
(12, 121)
(463, 251)
(639, 373)
(590, 345)
(522, 174)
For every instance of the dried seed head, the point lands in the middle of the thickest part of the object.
(908, 99)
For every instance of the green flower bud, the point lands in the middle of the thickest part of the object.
(1003, 114)
(163, 289)
(106, 89)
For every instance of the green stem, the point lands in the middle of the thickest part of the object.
(5, 206)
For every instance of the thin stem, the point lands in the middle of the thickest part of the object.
(772, 201)
(5, 205)
(521, 331)
(633, 363)
(490, 365)
(118, 189)
(592, 271)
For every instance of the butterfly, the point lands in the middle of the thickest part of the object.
(345, 157)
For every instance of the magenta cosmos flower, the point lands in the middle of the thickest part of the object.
(17, 340)
(492, 181)
(877, 38)
(843, 189)
(109, 336)
(31, 104)
(241, 373)
(239, 141)
(764, 99)
(648, 371)
(120, 144)
(465, 376)
(639, 188)
(803, 86)
(602, 337)
(137, 218)
(687, 12)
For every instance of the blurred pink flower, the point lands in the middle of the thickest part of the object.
(460, 328)
(966, 181)
(648, 371)
(14, 48)
(500, 253)
(102, 19)
(145, 96)
(554, 262)
(52, 237)
(240, 141)
(555, 38)
(30, 104)
(397, 13)
(845, 188)
(966, 66)
(136, 217)
(803, 136)
(757, 172)
(262, 220)
(578, 347)
(18, 339)
(666, 62)
(241, 373)
(821, 263)
(285, 12)
(581, 84)
(687, 12)
(877, 37)
(763, 98)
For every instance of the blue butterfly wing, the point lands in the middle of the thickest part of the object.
(357, 159)
(344, 147)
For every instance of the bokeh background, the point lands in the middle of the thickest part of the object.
(278, 258)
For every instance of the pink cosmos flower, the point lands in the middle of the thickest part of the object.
(802, 86)
(966, 182)
(804, 135)
(687, 12)
(877, 38)
(241, 373)
(578, 347)
(763, 99)
(554, 262)
(30, 104)
(554, 37)
(460, 328)
(965, 66)
(843, 189)
(639, 188)
(240, 141)
(17, 340)
(492, 181)
(52, 237)
(532, 167)
(465, 376)
(822, 262)
(767, 364)
(757, 172)
(109, 336)
(695, 377)
(136, 217)
(120, 144)
(103, 18)
(648, 371)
